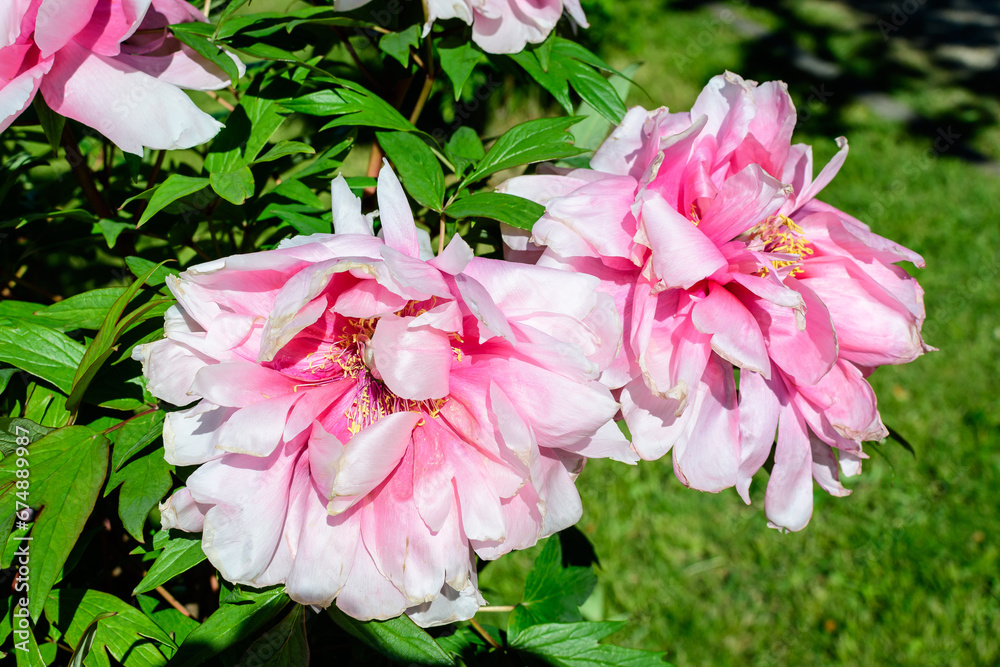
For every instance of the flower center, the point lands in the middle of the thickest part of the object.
(781, 236)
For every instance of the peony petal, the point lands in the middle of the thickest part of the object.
(736, 337)
(682, 254)
(394, 212)
(758, 409)
(788, 501)
(745, 200)
(131, 108)
(414, 362)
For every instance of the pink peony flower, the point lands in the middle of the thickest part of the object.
(704, 228)
(110, 64)
(498, 26)
(366, 422)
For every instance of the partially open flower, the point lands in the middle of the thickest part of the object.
(112, 65)
(367, 421)
(704, 228)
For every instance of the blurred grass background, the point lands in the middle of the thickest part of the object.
(905, 570)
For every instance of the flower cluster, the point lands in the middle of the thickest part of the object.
(110, 64)
(498, 26)
(367, 421)
(705, 229)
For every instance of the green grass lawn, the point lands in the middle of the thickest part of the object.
(905, 570)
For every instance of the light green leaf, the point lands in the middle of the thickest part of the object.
(592, 132)
(85, 310)
(398, 44)
(417, 166)
(306, 224)
(67, 469)
(510, 209)
(576, 645)
(27, 653)
(181, 553)
(171, 621)
(43, 352)
(464, 148)
(87, 641)
(458, 64)
(139, 266)
(137, 432)
(245, 135)
(400, 639)
(173, 188)
(235, 186)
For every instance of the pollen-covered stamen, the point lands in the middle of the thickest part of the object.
(780, 235)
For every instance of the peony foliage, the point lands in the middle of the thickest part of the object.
(339, 337)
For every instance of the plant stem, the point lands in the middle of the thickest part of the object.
(82, 172)
(485, 635)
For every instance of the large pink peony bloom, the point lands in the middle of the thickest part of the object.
(110, 64)
(704, 228)
(498, 26)
(367, 421)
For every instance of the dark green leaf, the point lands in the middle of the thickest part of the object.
(515, 211)
(417, 166)
(400, 639)
(458, 64)
(12, 428)
(552, 79)
(144, 482)
(398, 44)
(354, 105)
(66, 472)
(284, 646)
(87, 641)
(464, 148)
(229, 624)
(139, 266)
(180, 554)
(27, 653)
(592, 132)
(533, 141)
(198, 36)
(595, 90)
(43, 352)
(283, 148)
(576, 645)
(169, 191)
(52, 122)
(137, 432)
(245, 135)
(552, 593)
(306, 224)
(171, 621)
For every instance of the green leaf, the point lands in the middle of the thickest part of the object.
(46, 406)
(551, 79)
(52, 123)
(284, 646)
(27, 653)
(398, 44)
(181, 553)
(247, 131)
(235, 186)
(12, 428)
(197, 35)
(85, 310)
(229, 624)
(66, 469)
(137, 432)
(417, 166)
(353, 104)
(533, 141)
(296, 190)
(110, 230)
(464, 148)
(552, 593)
(171, 621)
(576, 645)
(306, 224)
(458, 63)
(139, 266)
(595, 90)
(283, 148)
(100, 349)
(127, 634)
(229, 10)
(43, 352)
(400, 639)
(144, 482)
(510, 209)
(592, 132)
(173, 188)
(87, 640)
